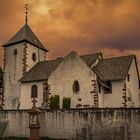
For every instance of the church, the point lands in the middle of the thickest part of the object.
(90, 81)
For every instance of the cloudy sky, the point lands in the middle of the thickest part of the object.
(86, 26)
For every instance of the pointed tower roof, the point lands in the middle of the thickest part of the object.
(25, 34)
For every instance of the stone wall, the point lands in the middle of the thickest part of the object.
(15, 66)
(81, 124)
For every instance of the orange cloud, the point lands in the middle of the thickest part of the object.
(86, 26)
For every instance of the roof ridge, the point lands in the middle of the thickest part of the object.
(25, 34)
(26, 29)
(14, 35)
(117, 57)
(91, 54)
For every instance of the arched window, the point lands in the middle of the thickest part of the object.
(15, 52)
(76, 86)
(34, 57)
(34, 91)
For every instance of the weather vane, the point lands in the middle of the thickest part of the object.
(26, 13)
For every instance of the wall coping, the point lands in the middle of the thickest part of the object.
(72, 109)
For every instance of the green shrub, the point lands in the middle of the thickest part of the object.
(54, 102)
(66, 102)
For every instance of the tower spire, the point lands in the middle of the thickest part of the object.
(26, 13)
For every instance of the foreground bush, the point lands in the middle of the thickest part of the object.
(66, 102)
(54, 102)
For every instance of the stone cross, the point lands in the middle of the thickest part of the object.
(34, 102)
(26, 13)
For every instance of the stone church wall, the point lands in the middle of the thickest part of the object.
(76, 124)
(13, 67)
(133, 87)
(25, 97)
(40, 56)
(61, 81)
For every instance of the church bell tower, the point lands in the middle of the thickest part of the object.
(21, 53)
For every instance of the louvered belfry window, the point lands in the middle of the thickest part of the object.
(34, 91)
(76, 86)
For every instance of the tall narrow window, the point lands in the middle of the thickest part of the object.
(34, 57)
(15, 52)
(99, 86)
(76, 86)
(34, 91)
(128, 77)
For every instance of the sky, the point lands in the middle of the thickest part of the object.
(85, 26)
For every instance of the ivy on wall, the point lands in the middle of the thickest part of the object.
(95, 93)
(46, 95)
(124, 95)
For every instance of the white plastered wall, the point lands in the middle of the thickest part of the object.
(13, 72)
(14, 65)
(61, 80)
(25, 97)
(40, 56)
(133, 86)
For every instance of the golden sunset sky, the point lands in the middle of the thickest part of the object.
(85, 26)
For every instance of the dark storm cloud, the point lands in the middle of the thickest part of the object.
(121, 42)
(86, 26)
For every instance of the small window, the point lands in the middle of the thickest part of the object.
(15, 52)
(76, 86)
(34, 91)
(99, 87)
(108, 89)
(34, 57)
(128, 77)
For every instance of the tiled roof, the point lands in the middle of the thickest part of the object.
(90, 58)
(114, 68)
(25, 34)
(107, 70)
(41, 71)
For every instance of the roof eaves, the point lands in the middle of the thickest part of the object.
(28, 81)
(10, 44)
(24, 40)
(42, 48)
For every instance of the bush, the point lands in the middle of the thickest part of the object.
(66, 102)
(54, 102)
